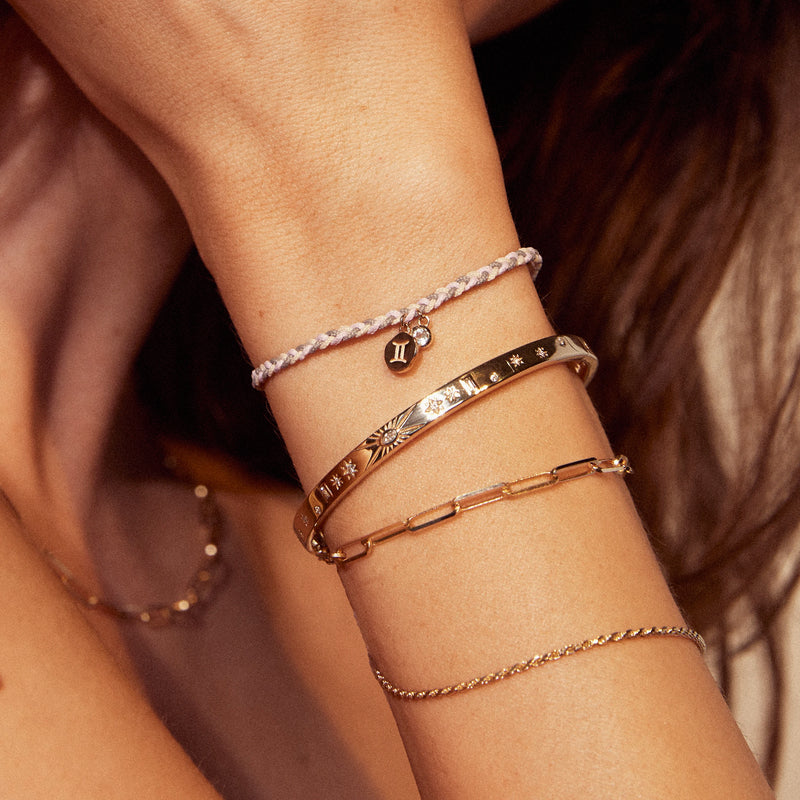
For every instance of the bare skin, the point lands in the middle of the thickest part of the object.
(62, 410)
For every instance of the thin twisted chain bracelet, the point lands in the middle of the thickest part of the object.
(476, 499)
(402, 348)
(433, 408)
(537, 661)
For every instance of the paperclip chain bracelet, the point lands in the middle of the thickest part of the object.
(433, 408)
(476, 499)
(422, 307)
(538, 661)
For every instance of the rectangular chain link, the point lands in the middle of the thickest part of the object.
(480, 497)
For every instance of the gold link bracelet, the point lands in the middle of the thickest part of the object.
(472, 500)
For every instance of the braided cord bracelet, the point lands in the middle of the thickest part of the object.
(402, 316)
(537, 661)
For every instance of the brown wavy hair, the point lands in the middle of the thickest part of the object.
(648, 154)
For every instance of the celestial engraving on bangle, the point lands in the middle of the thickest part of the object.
(388, 437)
(452, 394)
(336, 482)
(349, 469)
(515, 361)
(392, 434)
(541, 352)
(470, 386)
(434, 406)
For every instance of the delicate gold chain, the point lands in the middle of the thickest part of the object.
(476, 499)
(198, 588)
(537, 661)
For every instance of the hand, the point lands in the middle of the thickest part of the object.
(102, 45)
(188, 75)
(299, 126)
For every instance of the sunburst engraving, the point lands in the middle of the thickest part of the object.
(390, 436)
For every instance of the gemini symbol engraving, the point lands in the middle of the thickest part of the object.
(400, 351)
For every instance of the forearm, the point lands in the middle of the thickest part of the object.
(362, 180)
(507, 581)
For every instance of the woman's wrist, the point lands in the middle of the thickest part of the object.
(327, 157)
(370, 205)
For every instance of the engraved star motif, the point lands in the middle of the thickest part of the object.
(304, 520)
(434, 406)
(515, 361)
(452, 394)
(349, 469)
(541, 352)
(336, 482)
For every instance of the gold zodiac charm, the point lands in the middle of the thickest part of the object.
(403, 347)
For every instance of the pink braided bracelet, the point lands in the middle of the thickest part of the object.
(403, 316)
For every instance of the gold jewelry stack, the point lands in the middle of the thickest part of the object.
(406, 426)
(409, 424)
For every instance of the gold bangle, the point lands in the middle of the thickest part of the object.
(433, 408)
(482, 497)
(536, 661)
